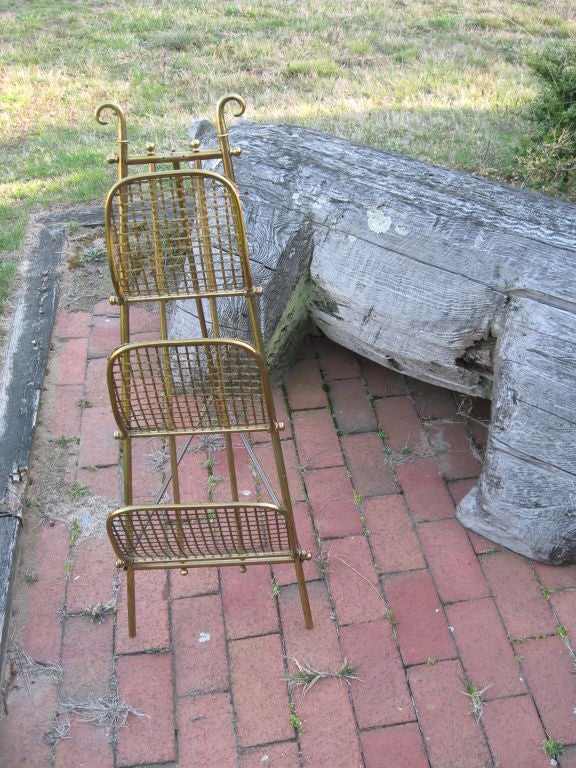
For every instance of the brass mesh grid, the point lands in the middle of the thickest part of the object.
(175, 234)
(168, 387)
(210, 532)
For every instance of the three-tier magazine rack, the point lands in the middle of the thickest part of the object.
(175, 233)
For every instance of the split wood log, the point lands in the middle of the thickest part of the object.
(439, 275)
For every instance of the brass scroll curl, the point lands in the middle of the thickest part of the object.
(122, 134)
(223, 131)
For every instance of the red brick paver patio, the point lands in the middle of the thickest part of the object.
(376, 465)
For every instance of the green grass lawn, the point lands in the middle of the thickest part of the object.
(442, 81)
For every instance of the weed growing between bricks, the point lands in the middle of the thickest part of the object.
(110, 712)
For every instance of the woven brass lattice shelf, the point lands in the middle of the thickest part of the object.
(185, 387)
(183, 535)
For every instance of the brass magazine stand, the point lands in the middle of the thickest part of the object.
(174, 235)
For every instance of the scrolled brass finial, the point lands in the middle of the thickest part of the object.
(195, 145)
(119, 116)
(221, 107)
(150, 147)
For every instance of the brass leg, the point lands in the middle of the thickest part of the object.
(131, 600)
(303, 594)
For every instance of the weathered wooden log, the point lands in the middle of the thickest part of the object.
(423, 269)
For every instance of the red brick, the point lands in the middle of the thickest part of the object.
(304, 386)
(351, 407)
(316, 440)
(145, 683)
(317, 646)
(451, 441)
(332, 500)
(86, 658)
(280, 755)
(105, 336)
(403, 741)
(70, 361)
(336, 362)
(515, 733)
(30, 716)
(92, 576)
(102, 481)
(249, 607)
(425, 491)
(524, 610)
(548, 669)
(569, 757)
(96, 385)
(564, 605)
(198, 581)
(481, 545)
(372, 474)
(398, 418)
(451, 735)
(433, 402)
(98, 447)
(486, 654)
(88, 746)
(381, 381)
(422, 628)
(381, 695)
(556, 576)
(71, 325)
(199, 646)
(353, 581)
(392, 536)
(144, 320)
(206, 731)
(60, 411)
(41, 635)
(265, 455)
(151, 613)
(329, 737)
(259, 691)
(452, 561)
(459, 488)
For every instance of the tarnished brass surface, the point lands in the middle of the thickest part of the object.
(171, 235)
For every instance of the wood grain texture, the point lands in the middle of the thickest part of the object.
(445, 277)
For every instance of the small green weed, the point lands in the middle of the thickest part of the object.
(561, 631)
(431, 661)
(275, 593)
(30, 577)
(64, 442)
(94, 254)
(545, 593)
(552, 748)
(78, 491)
(357, 498)
(475, 696)
(84, 403)
(295, 720)
(391, 618)
(75, 532)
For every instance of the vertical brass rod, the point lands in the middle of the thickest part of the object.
(131, 600)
